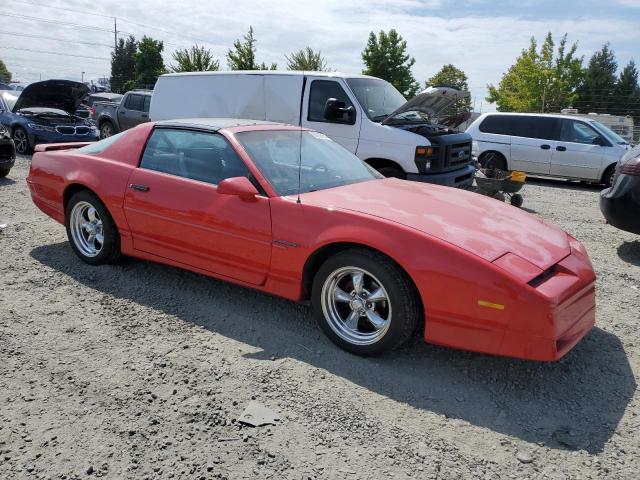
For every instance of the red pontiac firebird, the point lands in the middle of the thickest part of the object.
(287, 211)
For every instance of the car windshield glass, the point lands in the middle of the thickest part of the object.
(99, 147)
(324, 163)
(377, 97)
(610, 134)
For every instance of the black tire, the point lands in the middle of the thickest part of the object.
(392, 172)
(517, 200)
(608, 175)
(404, 304)
(4, 172)
(493, 161)
(106, 129)
(110, 248)
(21, 141)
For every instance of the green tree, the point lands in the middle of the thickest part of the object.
(243, 55)
(451, 76)
(386, 57)
(123, 63)
(195, 59)
(597, 93)
(5, 74)
(149, 62)
(540, 80)
(306, 59)
(627, 92)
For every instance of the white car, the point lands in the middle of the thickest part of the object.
(366, 115)
(547, 145)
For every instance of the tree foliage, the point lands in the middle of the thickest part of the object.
(451, 76)
(5, 74)
(386, 57)
(627, 92)
(540, 80)
(306, 59)
(243, 55)
(123, 63)
(599, 86)
(149, 62)
(195, 59)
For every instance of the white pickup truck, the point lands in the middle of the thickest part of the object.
(114, 117)
(366, 115)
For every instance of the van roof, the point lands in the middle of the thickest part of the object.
(551, 115)
(215, 124)
(271, 72)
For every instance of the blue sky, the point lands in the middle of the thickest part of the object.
(481, 37)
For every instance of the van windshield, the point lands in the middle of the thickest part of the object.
(294, 161)
(610, 134)
(378, 98)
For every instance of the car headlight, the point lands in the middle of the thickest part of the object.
(41, 128)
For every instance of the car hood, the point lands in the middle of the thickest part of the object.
(431, 101)
(61, 94)
(478, 224)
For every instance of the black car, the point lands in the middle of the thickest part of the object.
(7, 151)
(620, 204)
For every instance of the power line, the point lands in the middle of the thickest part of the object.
(54, 53)
(55, 39)
(59, 22)
(65, 9)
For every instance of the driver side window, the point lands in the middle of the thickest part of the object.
(319, 93)
(577, 132)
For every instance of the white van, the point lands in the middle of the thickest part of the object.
(555, 145)
(366, 115)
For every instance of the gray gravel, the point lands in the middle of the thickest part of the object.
(140, 371)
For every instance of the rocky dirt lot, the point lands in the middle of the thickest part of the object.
(140, 371)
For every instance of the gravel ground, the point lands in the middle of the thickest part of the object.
(140, 371)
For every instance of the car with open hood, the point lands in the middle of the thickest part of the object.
(44, 112)
(366, 115)
(286, 210)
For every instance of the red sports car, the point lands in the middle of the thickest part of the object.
(287, 211)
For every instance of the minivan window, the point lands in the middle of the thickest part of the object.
(528, 126)
(147, 102)
(203, 156)
(135, 102)
(497, 124)
(319, 93)
(608, 133)
(376, 97)
(577, 132)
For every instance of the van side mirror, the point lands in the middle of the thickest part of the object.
(238, 186)
(335, 110)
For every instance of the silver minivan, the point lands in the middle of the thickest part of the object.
(554, 145)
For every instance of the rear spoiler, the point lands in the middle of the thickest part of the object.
(50, 147)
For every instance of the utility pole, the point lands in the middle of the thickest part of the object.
(115, 33)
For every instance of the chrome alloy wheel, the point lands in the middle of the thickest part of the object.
(21, 141)
(86, 229)
(356, 305)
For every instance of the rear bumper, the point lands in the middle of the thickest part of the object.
(461, 178)
(620, 204)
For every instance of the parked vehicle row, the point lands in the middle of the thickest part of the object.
(548, 145)
(286, 210)
(44, 112)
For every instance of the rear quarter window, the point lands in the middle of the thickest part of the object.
(496, 124)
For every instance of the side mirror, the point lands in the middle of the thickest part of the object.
(238, 186)
(336, 110)
(599, 141)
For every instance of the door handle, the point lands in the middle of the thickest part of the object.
(545, 146)
(140, 188)
(561, 148)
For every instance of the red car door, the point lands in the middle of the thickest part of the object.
(174, 210)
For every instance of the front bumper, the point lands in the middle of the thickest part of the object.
(620, 204)
(461, 178)
(37, 138)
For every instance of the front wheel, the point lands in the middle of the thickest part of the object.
(91, 230)
(392, 172)
(364, 302)
(106, 130)
(21, 140)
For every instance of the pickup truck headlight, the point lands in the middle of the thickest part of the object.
(41, 128)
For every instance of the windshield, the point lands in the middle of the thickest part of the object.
(609, 133)
(325, 164)
(377, 97)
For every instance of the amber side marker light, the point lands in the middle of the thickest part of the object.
(424, 151)
(484, 303)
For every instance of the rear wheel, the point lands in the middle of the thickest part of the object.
(364, 302)
(106, 130)
(609, 175)
(21, 140)
(91, 230)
